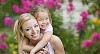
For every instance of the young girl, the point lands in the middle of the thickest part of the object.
(42, 15)
(26, 27)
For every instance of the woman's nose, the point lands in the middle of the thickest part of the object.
(33, 30)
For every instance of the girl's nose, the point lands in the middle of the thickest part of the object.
(44, 21)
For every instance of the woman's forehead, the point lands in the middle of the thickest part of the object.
(30, 22)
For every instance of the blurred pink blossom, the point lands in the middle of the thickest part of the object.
(95, 37)
(86, 43)
(39, 2)
(70, 7)
(57, 4)
(27, 3)
(9, 22)
(84, 15)
(2, 1)
(3, 37)
(15, 8)
(3, 45)
(50, 3)
(24, 9)
(80, 26)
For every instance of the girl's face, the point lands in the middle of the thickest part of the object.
(43, 19)
(31, 29)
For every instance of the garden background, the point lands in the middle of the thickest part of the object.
(76, 22)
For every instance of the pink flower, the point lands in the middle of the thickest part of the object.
(24, 9)
(80, 26)
(16, 8)
(3, 45)
(70, 7)
(8, 21)
(84, 15)
(27, 3)
(3, 37)
(86, 43)
(2, 1)
(50, 3)
(39, 2)
(95, 37)
(57, 4)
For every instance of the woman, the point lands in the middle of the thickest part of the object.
(26, 27)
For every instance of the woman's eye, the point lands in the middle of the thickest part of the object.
(27, 29)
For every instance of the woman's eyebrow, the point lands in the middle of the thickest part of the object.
(28, 27)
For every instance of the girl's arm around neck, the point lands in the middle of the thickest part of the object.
(46, 37)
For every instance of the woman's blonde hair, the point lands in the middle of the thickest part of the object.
(39, 8)
(18, 25)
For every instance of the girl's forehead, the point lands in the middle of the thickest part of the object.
(42, 14)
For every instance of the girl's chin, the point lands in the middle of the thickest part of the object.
(44, 28)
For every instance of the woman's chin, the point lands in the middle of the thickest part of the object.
(35, 38)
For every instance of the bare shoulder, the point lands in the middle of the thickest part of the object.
(57, 45)
(54, 40)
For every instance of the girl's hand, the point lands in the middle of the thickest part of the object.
(32, 52)
(43, 51)
(40, 52)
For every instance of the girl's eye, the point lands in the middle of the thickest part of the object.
(36, 25)
(39, 20)
(47, 18)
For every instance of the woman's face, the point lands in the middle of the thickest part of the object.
(43, 20)
(31, 29)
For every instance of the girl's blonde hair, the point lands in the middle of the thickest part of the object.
(18, 25)
(39, 8)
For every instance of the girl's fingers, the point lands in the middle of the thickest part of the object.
(40, 52)
(45, 50)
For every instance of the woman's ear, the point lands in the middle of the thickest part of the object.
(22, 34)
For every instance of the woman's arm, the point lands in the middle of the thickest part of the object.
(57, 45)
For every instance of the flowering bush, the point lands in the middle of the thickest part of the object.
(85, 41)
(3, 44)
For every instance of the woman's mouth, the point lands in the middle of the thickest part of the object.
(33, 36)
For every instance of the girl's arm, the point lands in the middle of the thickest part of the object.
(25, 46)
(57, 45)
(46, 37)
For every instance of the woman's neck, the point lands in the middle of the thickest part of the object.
(34, 42)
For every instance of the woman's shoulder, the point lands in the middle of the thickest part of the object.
(57, 45)
(54, 39)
